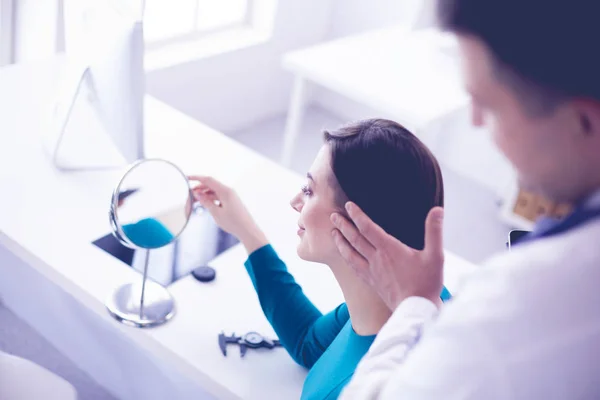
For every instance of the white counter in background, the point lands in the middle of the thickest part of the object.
(56, 280)
(411, 76)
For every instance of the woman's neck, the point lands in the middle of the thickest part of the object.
(368, 312)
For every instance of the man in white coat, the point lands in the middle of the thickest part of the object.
(527, 325)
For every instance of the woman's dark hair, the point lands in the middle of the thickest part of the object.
(389, 173)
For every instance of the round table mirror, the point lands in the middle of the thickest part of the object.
(150, 208)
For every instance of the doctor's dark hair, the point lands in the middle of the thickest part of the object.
(545, 50)
(389, 173)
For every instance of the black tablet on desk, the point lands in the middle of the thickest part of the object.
(111, 245)
(200, 242)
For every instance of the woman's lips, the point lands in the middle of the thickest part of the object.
(300, 230)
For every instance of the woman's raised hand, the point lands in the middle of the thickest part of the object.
(228, 211)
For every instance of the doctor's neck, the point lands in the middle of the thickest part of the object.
(579, 187)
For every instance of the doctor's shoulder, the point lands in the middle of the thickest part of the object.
(535, 309)
(541, 292)
(565, 263)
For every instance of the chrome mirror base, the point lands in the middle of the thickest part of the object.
(125, 306)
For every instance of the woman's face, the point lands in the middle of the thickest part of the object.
(315, 203)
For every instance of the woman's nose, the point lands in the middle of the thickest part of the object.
(297, 202)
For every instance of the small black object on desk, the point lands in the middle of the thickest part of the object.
(204, 274)
(252, 340)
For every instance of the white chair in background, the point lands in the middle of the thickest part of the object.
(21, 379)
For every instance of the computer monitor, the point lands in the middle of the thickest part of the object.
(97, 121)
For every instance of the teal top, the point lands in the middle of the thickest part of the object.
(148, 233)
(325, 344)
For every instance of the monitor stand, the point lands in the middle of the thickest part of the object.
(74, 136)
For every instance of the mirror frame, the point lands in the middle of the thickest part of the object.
(117, 230)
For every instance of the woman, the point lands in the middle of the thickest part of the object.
(394, 178)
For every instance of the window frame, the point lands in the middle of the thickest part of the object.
(7, 31)
(196, 34)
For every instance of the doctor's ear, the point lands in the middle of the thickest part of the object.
(586, 124)
(588, 113)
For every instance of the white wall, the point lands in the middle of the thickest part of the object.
(35, 29)
(233, 90)
(355, 16)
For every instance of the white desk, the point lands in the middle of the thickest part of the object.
(56, 280)
(410, 76)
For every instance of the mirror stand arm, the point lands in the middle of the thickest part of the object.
(146, 262)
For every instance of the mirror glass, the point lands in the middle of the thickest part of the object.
(151, 205)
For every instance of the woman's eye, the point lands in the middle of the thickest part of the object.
(306, 190)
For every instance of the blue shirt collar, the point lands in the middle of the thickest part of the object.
(592, 201)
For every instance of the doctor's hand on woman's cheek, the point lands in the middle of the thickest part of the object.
(228, 211)
(395, 270)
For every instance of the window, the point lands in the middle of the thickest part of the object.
(167, 21)
(6, 31)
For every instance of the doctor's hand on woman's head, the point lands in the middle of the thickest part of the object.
(228, 211)
(395, 270)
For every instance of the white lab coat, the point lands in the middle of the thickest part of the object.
(526, 326)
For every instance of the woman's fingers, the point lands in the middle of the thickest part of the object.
(209, 191)
(209, 183)
(208, 200)
(201, 189)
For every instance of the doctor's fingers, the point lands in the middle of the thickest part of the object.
(353, 236)
(434, 246)
(350, 255)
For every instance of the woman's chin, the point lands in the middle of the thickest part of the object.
(301, 251)
(309, 256)
(304, 253)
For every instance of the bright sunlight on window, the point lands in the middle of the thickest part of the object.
(167, 21)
